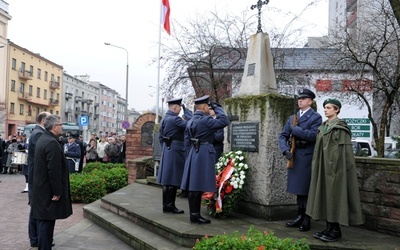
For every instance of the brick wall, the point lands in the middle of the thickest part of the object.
(134, 149)
(379, 181)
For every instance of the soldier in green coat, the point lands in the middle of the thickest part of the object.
(334, 193)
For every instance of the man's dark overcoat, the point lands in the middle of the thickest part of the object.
(33, 138)
(172, 159)
(51, 177)
(199, 172)
(298, 177)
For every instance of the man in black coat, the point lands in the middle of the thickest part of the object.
(51, 197)
(33, 138)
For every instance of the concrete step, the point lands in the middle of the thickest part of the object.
(132, 234)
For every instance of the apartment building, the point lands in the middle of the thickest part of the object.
(4, 18)
(33, 85)
(80, 98)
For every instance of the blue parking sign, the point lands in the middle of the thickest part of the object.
(83, 120)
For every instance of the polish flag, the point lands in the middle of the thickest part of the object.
(165, 10)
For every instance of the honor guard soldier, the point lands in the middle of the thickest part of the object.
(199, 173)
(304, 133)
(171, 137)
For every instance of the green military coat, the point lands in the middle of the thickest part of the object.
(334, 192)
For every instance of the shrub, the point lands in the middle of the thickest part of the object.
(253, 240)
(96, 180)
(86, 188)
(114, 178)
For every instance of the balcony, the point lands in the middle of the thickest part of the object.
(68, 110)
(89, 101)
(83, 112)
(68, 96)
(90, 114)
(54, 84)
(84, 100)
(24, 96)
(78, 98)
(96, 116)
(24, 74)
(97, 104)
(53, 102)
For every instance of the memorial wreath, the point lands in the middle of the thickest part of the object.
(231, 170)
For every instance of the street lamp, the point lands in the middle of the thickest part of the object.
(127, 74)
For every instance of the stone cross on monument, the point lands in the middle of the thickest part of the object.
(259, 6)
(259, 75)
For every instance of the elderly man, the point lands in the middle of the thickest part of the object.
(33, 138)
(51, 198)
(112, 150)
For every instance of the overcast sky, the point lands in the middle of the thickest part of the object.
(72, 34)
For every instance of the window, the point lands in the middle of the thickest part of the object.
(37, 111)
(21, 109)
(45, 76)
(45, 94)
(31, 70)
(14, 64)
(12, 106)
(57, 113)
(52, 77)
(39, 73)
(12, 87)
(30, 90)
(58, 96)
(58, 79)
(22, 67)
(51, 95)
(22, 87)
(51, 111)
(29, 110)
(38, 92)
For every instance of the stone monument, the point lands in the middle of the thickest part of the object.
(261, 113)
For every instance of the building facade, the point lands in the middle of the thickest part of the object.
(4, 18)
(80, 98)
(33, 85)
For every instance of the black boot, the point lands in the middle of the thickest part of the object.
(194, 206)
(306, 225)
(301, 212)
(318, 235)
(170, 201)
(334, 235)
(164, 197)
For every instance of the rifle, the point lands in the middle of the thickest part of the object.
(292, 143)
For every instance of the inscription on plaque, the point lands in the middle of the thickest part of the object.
(244, 136)
(156, 147)
(250, 69)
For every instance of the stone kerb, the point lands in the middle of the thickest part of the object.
(266, 195)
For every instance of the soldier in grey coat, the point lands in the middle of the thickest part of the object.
(304, 133)
(199, 173)
(171, 136)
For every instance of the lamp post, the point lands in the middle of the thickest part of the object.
(127, 74)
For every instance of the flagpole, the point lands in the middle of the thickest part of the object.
(158, 63)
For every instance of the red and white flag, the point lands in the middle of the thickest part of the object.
(165, 10)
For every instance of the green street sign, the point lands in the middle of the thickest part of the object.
(360, 134)
(356, 120)
(360, 127)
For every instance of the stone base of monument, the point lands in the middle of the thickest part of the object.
(260, 120)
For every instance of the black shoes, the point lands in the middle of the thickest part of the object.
(330, 234)
(306, 225)
(301, 212)
(172, 209)
(197, 218)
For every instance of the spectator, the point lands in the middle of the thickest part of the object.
(122, 155)
(91, 151)
(101, 146)
(112, 150)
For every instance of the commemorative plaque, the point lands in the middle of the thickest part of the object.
(244, 136)
(156, 147)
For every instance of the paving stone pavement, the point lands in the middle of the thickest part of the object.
(75, 232)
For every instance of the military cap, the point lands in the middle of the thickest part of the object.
(306, 93)
(176, 101)
(73, 136)
(201, 100)
(332, 101)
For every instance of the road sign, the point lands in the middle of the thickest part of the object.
(356, 120)
(125, 124)
(83, 120)
(360, 127)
